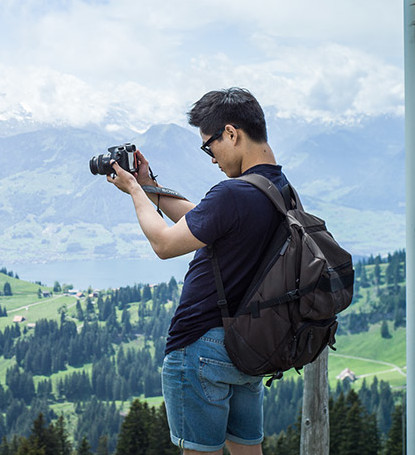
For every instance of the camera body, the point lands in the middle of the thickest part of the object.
(125, 155)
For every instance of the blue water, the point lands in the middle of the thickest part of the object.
(103, 274)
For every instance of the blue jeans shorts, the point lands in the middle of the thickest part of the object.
(208, 400)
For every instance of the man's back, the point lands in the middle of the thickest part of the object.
(240, 221)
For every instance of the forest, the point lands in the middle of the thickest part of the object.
(101, 359)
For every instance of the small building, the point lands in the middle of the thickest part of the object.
(347, 375)
(18, 319)
(46, 294)
(31, 325)
(80, 294)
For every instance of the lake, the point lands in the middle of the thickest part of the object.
(103, 274)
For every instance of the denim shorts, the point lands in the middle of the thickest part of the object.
(208, 400)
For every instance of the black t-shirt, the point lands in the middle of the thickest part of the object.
(240, 220)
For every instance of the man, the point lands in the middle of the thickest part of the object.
(208, 400)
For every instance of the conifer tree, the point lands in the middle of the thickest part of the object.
(159, 436)
(396, 436)
(133, 438)
(371, 440)
(84, 448)
(102, 448)
(146, 293)
(337, 411)
(79, 311)
(7, 289)
(384, 330)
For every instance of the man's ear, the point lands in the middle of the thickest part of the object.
(232, 132)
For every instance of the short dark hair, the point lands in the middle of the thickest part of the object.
(234, 106)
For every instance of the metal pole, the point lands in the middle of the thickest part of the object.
(315, 430)
(409, 45)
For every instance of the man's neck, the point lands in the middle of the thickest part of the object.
(258, 154)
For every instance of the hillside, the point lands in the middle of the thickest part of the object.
(53, 209)
(107, 345)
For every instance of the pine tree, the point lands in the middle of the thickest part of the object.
(79, 311)
(146, 293)
(102, 448)
(5, 447)
(133, 438)
(84, 448)
(337, 411)
(371, 441)
(353, 440)
(159, 436)
(7, 290)
(396, 436)
(90, 310)
(64, 447)
(42, 440)
(384, 330)
(385, 407)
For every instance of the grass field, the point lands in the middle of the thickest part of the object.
(368, 354)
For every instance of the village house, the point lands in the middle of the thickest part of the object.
(347, 375)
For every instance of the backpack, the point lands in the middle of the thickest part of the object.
(288, 313)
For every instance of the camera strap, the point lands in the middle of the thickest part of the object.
(162, 191)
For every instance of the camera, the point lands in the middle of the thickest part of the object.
(125, 155)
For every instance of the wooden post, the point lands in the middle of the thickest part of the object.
(315, 435)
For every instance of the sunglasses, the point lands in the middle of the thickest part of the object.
(206, 145)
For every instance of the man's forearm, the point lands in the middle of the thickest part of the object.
(151, 223)
(172, 207)
(166, 241)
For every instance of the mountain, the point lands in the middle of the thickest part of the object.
(52, 207)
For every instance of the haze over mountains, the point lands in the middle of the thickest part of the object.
(52, 208)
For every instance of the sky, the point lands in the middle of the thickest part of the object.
(140, 62)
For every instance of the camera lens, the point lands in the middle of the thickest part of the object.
(93, 165)
(101, 164)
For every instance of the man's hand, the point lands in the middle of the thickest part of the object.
(122, 179)
(143, 175)
(166, 241)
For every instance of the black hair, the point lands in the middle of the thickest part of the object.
(234, 106)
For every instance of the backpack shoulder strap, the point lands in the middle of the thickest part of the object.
(281, 202)
(291, 198)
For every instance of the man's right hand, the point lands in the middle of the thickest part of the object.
(143, 175)
(172, 207)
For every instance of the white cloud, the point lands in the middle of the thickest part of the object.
(329, 189)
(146, 61)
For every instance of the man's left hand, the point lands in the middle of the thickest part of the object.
(122, 179)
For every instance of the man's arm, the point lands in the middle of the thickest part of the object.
(166, 241)
(172, 207)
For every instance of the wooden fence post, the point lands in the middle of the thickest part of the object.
(315, 435)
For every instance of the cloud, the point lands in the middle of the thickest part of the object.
(144, 62)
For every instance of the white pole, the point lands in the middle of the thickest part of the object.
(409, 41)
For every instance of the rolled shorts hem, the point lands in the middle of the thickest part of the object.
(246, 442)
(183, 444)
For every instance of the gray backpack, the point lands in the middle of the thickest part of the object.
(288, 313)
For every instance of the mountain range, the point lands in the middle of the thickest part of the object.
(52, 208)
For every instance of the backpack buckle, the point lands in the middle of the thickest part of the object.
(254, 309)
(223, 306)
(293, 295)
(222, 303)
